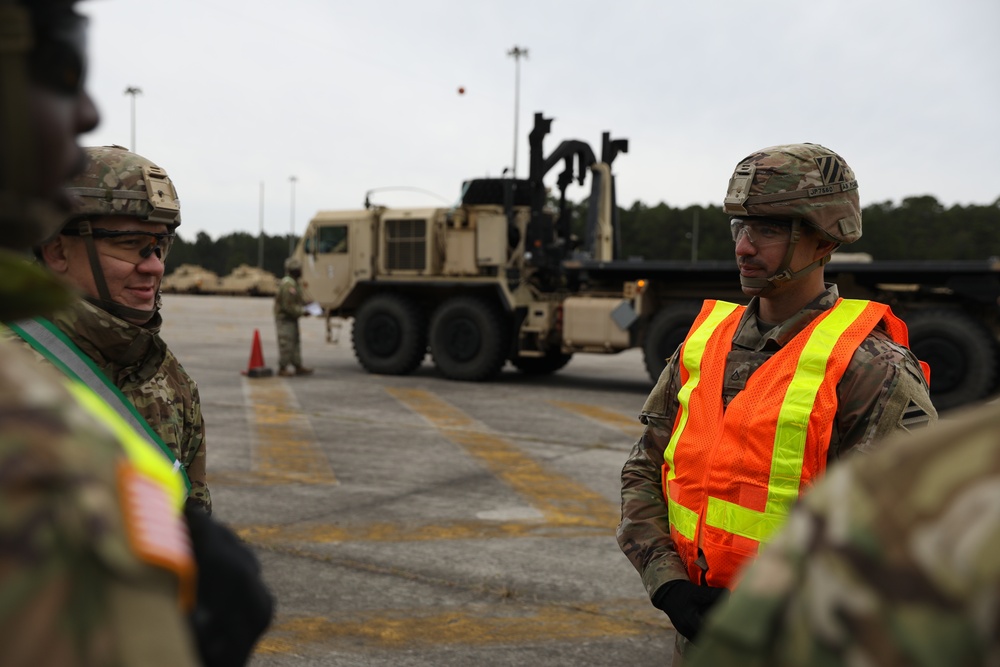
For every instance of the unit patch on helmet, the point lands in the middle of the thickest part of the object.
(831, 168)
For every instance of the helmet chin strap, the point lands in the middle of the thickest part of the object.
(104, 301)
(784, 273)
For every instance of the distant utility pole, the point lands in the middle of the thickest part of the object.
(291, 235)
(260, 234)
(517, 53)
(133, 91)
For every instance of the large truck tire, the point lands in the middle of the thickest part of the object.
(469, 339)
(667, 330)
(961, 351)
(553, 361)
(390, 335)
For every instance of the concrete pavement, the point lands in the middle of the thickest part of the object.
(416, 521)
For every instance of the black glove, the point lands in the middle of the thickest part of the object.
(687, 604)
(233, 607)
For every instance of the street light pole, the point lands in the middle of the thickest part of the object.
(260, 234)
(517, 53)
(291, 235)
(133, 91)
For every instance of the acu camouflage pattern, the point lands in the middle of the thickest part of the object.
(115, 183)
(883, 390)
(807, 169)
(138, 362)
(72, 594)
(288, 308)
(891, 560)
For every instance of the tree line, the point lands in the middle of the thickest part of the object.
(917, 228)
(228, 252)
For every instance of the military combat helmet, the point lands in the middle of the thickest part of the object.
(293, 264)
(804, 181)
(805, 184)
(119, 182)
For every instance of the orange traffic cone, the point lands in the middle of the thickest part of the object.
(256, 369)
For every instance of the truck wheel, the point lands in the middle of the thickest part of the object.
(550, 363)
(665, 333)
(961, 352)
(389, 335)
(469, 339)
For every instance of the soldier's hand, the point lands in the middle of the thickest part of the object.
(687, 604)
(234, 606)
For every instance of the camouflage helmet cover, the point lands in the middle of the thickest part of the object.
(119, 182)
(293, 264)
(805, 181)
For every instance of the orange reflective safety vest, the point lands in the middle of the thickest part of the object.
(731, 476)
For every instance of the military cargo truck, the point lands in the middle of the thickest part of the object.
(500, 277)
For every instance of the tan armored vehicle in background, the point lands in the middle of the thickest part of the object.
(248, 280)
(190, 279)
(499, 277)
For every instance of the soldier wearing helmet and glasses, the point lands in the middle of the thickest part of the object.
(758, 400)
(112, 251)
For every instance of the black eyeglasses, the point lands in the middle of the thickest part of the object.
(130, 245)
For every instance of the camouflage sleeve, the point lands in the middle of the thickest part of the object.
(882, 392)
(289, 300)
(71, 591)
(644, 533)
(890, 560)
(196, 457)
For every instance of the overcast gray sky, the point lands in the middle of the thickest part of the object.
(350, 96)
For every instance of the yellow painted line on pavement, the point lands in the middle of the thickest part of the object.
(477, 626)
(629, 425)
(562, 500)
(397, 532)
(285, 447)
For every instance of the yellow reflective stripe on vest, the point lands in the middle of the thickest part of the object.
(790, 434)
(682, 518)
(140, 452)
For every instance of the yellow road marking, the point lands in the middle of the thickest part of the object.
(478, 625)
(629, 425)
(396, 532)
(285, 448)
(562, 500)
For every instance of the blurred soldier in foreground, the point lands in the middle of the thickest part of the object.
(288, 308)
(112, 251)
(890, 560)
(758, 400)
(97, 562)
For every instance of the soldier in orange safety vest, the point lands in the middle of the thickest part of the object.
(758, 400)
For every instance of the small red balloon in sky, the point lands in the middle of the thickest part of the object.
(461, 90)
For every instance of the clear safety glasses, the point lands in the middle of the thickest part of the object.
(130, 246)
(761, 231)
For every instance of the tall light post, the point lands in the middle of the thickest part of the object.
(260, 234)
(517, 53)
(133, 91)
(291, 235)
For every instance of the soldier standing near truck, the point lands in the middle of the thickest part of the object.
(758, 399)
(289, 306)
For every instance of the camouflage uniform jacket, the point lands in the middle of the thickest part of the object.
(889, 560)
(138, 362)
(72, 591)
(882, 390)
(289, 301)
